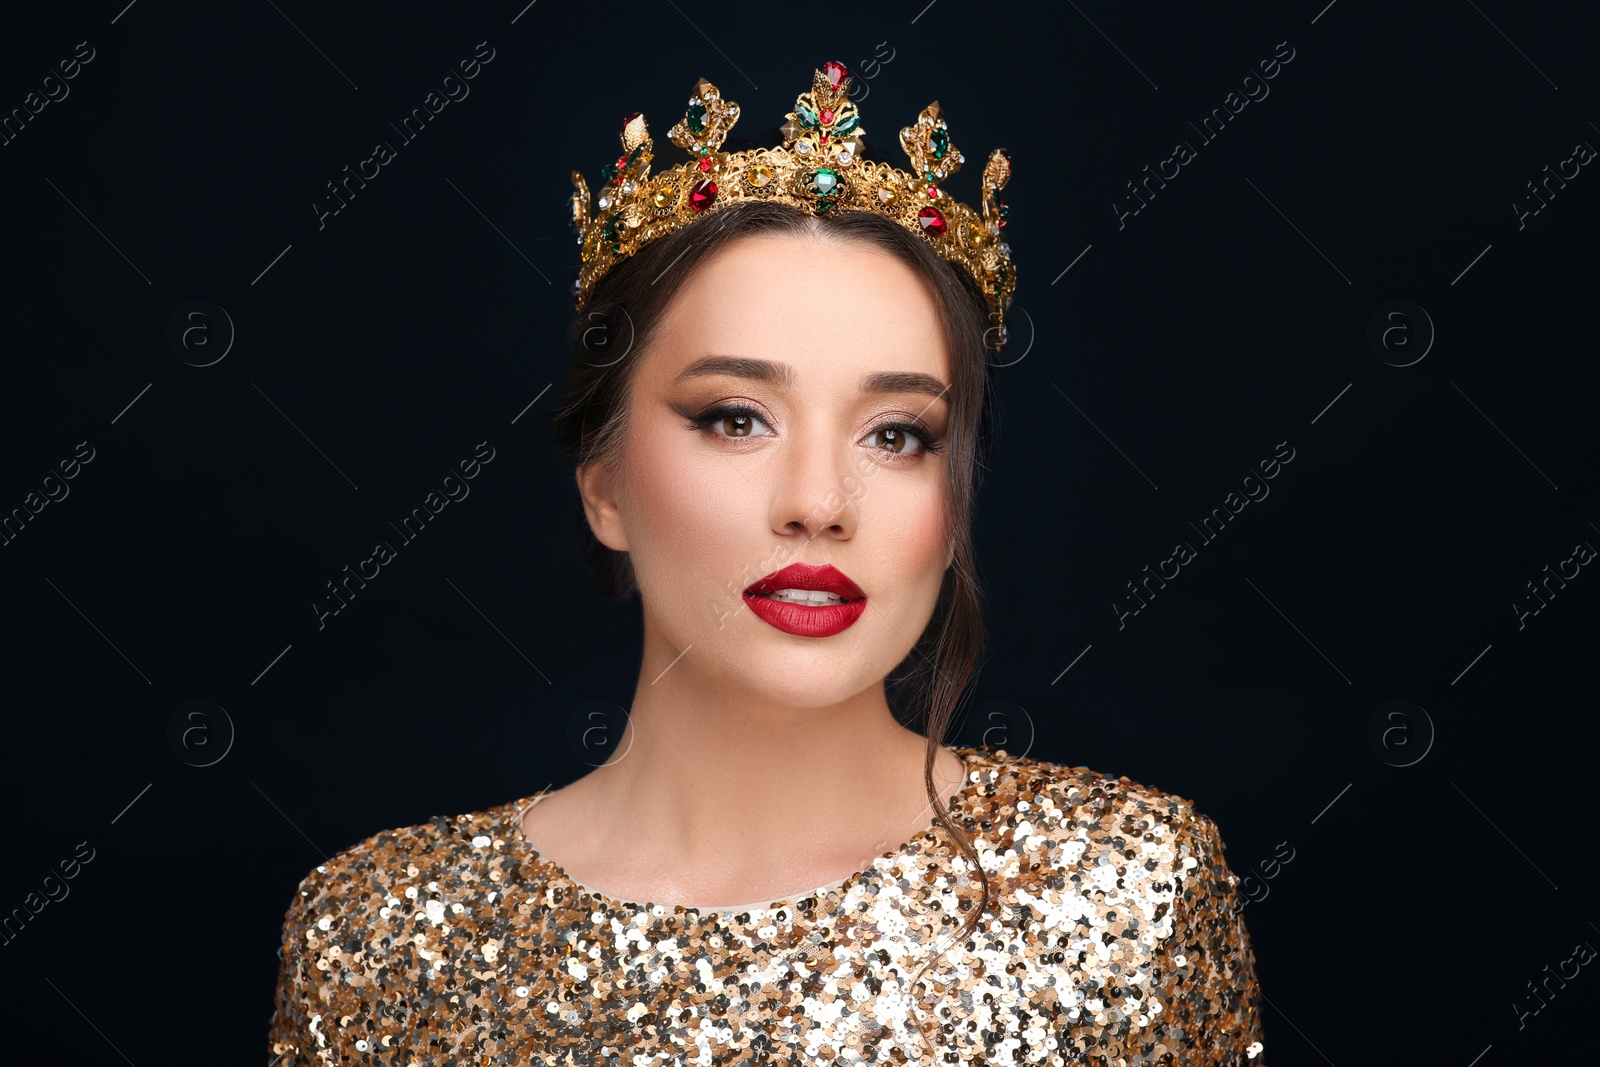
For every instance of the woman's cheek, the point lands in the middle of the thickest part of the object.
(911, 518)
(910, 538)
(687, 506)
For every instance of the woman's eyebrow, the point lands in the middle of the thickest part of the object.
(781, 374)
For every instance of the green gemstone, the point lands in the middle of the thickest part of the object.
(823, 181)
(807, 116)
(608, 171)
(613, 226)
(697, 117)
(633, 157)
(847, 125)
(940, 140)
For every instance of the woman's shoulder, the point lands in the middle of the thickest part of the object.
(398, 909)
(411, 866)
(1080, 785)
(1112, 869)
(1099, 808)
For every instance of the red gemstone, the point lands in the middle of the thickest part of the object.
(933, 191)
(835, 71)
(827, 115)
(823, 138)
(701, 195)
(705, 164)
(932, 221)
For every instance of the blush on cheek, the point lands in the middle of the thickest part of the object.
(691, 517)
(902, 533)
(915, 508)
(676, 479)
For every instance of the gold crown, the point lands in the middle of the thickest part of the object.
(816, 169)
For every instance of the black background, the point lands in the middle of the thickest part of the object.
(1185, 342)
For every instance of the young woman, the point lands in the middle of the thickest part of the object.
(776, 412)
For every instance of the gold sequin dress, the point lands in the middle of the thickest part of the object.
(1115, 939)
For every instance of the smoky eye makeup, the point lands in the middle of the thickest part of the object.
(895, 428)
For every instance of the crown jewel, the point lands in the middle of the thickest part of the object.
(815, 169)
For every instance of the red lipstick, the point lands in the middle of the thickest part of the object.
(807, 620)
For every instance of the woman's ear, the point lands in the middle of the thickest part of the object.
(596, 486)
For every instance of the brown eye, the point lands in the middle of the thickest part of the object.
(729, 421)
(736, 425)
(896, 439)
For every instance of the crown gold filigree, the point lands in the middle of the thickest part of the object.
(816, 169)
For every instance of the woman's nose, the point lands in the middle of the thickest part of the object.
(812, 497)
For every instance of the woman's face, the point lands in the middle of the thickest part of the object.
(771, 423)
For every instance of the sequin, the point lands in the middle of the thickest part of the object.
(1115, 939)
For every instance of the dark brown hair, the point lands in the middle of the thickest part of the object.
(604, 344)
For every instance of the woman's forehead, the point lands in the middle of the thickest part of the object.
(824, 309)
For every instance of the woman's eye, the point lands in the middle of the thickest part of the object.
(735, 424)
(897, 440)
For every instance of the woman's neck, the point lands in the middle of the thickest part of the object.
(720, 800)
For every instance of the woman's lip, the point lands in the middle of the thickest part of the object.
(806, 620)
(826, 578)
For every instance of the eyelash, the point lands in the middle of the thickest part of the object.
(931, 443)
